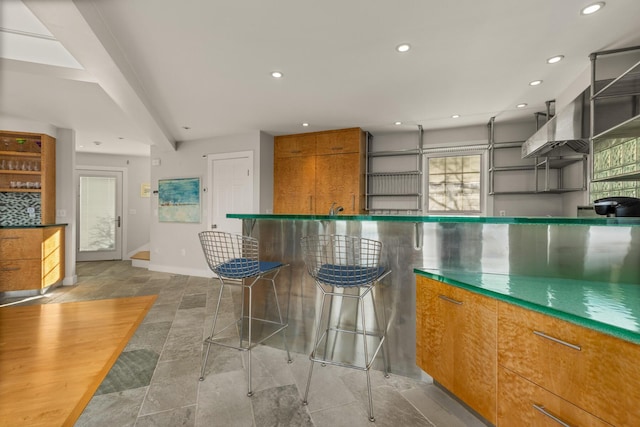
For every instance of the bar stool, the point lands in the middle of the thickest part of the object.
(235, 261)
(347, 268)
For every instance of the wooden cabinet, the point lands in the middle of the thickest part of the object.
(596, 372)
(547, 371)
(31, 258)
(27, 165)
(314, 170)
(456, 342)
(523, 403)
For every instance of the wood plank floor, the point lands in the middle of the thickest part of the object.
(53, 357)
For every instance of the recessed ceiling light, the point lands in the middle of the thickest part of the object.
(404, 47)
(592, 8)
(455, 116)
(276, 74)
(397, 123)
(121, 137)
(305, 124)
(521, 105)
(186, 127)
(535, 83)
(555, 59)
(97, 142)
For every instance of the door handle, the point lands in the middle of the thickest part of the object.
(118, 221)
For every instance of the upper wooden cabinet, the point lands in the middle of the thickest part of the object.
(314, 170)
(28, 165)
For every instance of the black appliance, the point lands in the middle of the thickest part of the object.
(618, 206)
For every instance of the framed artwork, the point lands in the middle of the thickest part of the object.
(179, 200)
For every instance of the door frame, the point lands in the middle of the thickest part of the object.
(227, 156)
(125, 198)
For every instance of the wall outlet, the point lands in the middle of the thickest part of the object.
(183, 252)
(503, 213)
(62, 213)
(132, 211)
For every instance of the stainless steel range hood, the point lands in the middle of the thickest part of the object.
(569, 127)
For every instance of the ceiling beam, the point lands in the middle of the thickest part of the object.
(81, 30)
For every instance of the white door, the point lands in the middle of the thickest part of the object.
(231, 189)
(99, 216)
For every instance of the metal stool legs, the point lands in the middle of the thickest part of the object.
(235, 258)
(322, 356)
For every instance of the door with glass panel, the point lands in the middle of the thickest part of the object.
(99, 216)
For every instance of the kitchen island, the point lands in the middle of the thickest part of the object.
(583, 249)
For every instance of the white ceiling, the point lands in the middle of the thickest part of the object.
(148, 68)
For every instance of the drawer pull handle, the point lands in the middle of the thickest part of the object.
(451, 300)
(559, 341)
(296, 151)
(541, 409)
(10, 269)
(9, 238)
(337, 148)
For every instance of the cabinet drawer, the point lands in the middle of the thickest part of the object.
(595, 371)
(20, 244)
(340, 141)
(294, 145)
(20, 275)
(522, 403)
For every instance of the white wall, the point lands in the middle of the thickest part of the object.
(137, 209)
(66, 197)
(175, 247)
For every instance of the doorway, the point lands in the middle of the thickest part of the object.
(99, 215)
(230, 182)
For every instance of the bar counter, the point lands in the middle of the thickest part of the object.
(559, 252)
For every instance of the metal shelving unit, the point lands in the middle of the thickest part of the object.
(546, 172)
(626, 85)
(397, 184)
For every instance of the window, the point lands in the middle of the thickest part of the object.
(453, 184)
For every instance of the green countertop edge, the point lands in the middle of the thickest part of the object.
(9, 227)
(595, 325)
(624, 222)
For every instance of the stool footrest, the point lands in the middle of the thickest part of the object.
(328, 348)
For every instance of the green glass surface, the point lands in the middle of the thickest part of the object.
(626, 222)
(610, 308)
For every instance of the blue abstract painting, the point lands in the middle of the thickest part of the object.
(179, 200)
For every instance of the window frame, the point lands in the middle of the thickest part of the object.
(456, 152)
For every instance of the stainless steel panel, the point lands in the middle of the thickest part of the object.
(597, 253)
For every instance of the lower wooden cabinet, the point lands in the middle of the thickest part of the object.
(518, 367)
(456, 342)
(597, 372)
(31, 258)
(523, 403)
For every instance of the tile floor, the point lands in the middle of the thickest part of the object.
(155, 380)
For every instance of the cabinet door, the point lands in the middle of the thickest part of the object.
(294, 185)
(476, 352)
(20, 275)
(595, 371)
(457, 336)
(340, 141)
(522, 403)
(435, 332)
(299, 145)
(18, 244)
(339, 179)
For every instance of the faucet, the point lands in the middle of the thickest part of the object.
(335, 211)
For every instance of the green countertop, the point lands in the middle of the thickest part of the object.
(449, 219)
(610, 308)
